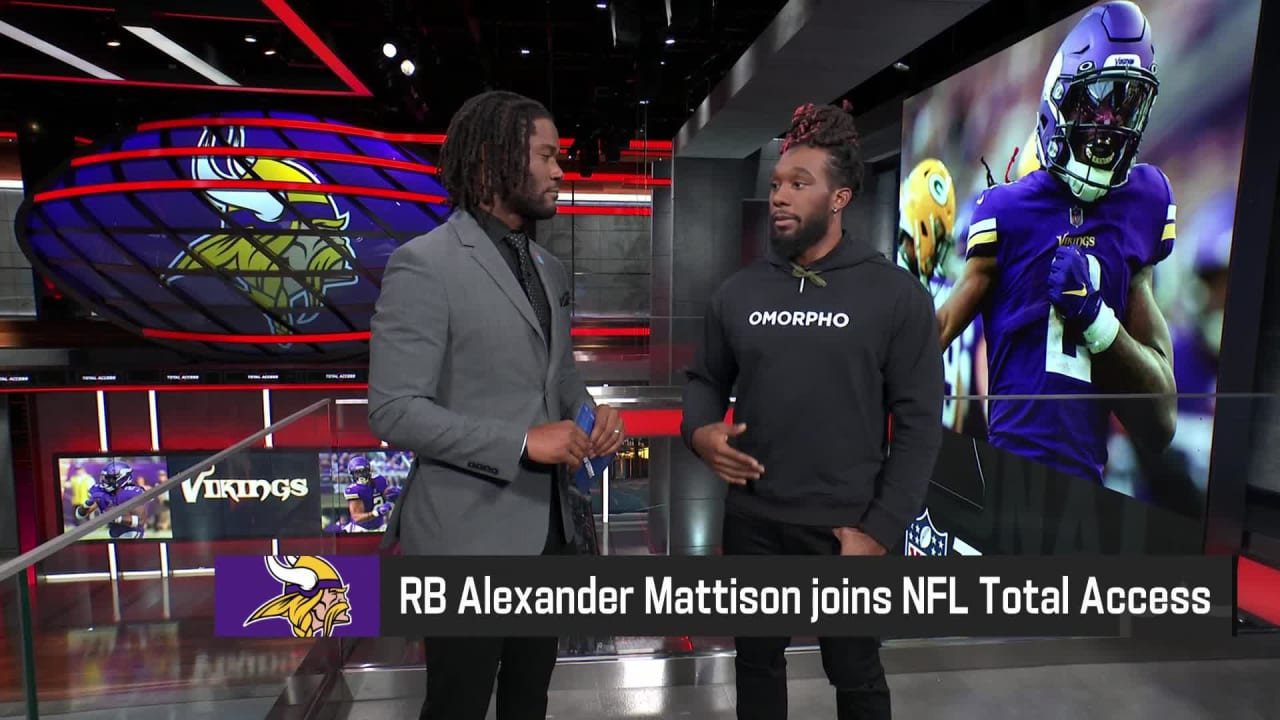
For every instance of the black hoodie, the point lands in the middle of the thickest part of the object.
(821, 358)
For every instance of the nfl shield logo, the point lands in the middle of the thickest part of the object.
(925, 539)
(1077, 216)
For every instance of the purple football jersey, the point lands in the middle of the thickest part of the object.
(122, 530)
(371, 495)
(1028, 353)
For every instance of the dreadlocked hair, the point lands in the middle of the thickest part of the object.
(486, 152)
(830, 128)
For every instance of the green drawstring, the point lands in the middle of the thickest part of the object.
(806, 274)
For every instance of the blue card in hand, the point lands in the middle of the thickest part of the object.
(584, 477)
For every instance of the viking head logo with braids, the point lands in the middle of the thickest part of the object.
(283, 247)
(313, 599)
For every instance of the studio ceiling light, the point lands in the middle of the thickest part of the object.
(55, 52)
(161, 42)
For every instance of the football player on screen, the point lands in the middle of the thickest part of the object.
(1060, 261)
(927, 225)
(369, 500)
(115, 486)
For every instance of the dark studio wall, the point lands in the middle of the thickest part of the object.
(609, 258)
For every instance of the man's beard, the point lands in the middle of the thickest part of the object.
(807, 234)
(532, 205)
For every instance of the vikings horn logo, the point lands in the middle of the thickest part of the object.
(273, 254)
(314, 598)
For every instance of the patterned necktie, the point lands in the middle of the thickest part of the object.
(529, 281)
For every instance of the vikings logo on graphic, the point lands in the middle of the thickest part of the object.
(283, 248)
(313, 600)
(925, 539)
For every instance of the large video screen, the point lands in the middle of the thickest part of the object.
(1069, 202)
(359, 488)
(90, 485)
(261, 493)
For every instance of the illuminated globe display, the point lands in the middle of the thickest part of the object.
(234, 235)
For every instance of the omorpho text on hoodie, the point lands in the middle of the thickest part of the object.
(820, 357)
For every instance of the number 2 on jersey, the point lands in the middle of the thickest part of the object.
(1061, 355)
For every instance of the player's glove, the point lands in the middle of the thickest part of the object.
(383, 509)
(1080, 304)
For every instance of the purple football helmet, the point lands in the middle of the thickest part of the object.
(115, 476)
(1097, 97)
(360, 469)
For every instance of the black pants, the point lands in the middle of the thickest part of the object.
(852, 664)
(461, 671)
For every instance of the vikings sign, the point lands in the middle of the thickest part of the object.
(313, 599)
(297, 596)
(239, 234)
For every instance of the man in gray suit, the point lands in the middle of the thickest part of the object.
(471, 367)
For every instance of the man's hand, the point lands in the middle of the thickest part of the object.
(711, 442)
(608, 433)
(1071, 289)
(1079, 302)
(855, 542)
(559, 443)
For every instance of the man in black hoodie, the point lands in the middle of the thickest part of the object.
(825, 340)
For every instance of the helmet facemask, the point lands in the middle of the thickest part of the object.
(1101, 116)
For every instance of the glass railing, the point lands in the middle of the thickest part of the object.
(119, 610)
(17, 696)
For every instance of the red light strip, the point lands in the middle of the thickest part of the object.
(281, 9)
(344, 337)
(1258, 590)
(605, 210)
(624, 178)
(218, 18)
(609, 332)
(58, 6)
(288, 124)
(14, 136)
(162, 185)
(651, 145)
(255, 339)
(191, 387)
(253, 152)
(177, 86)
(647, 154)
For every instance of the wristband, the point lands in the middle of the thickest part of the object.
(1103, 331)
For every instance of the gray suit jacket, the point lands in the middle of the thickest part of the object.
(458, 373)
